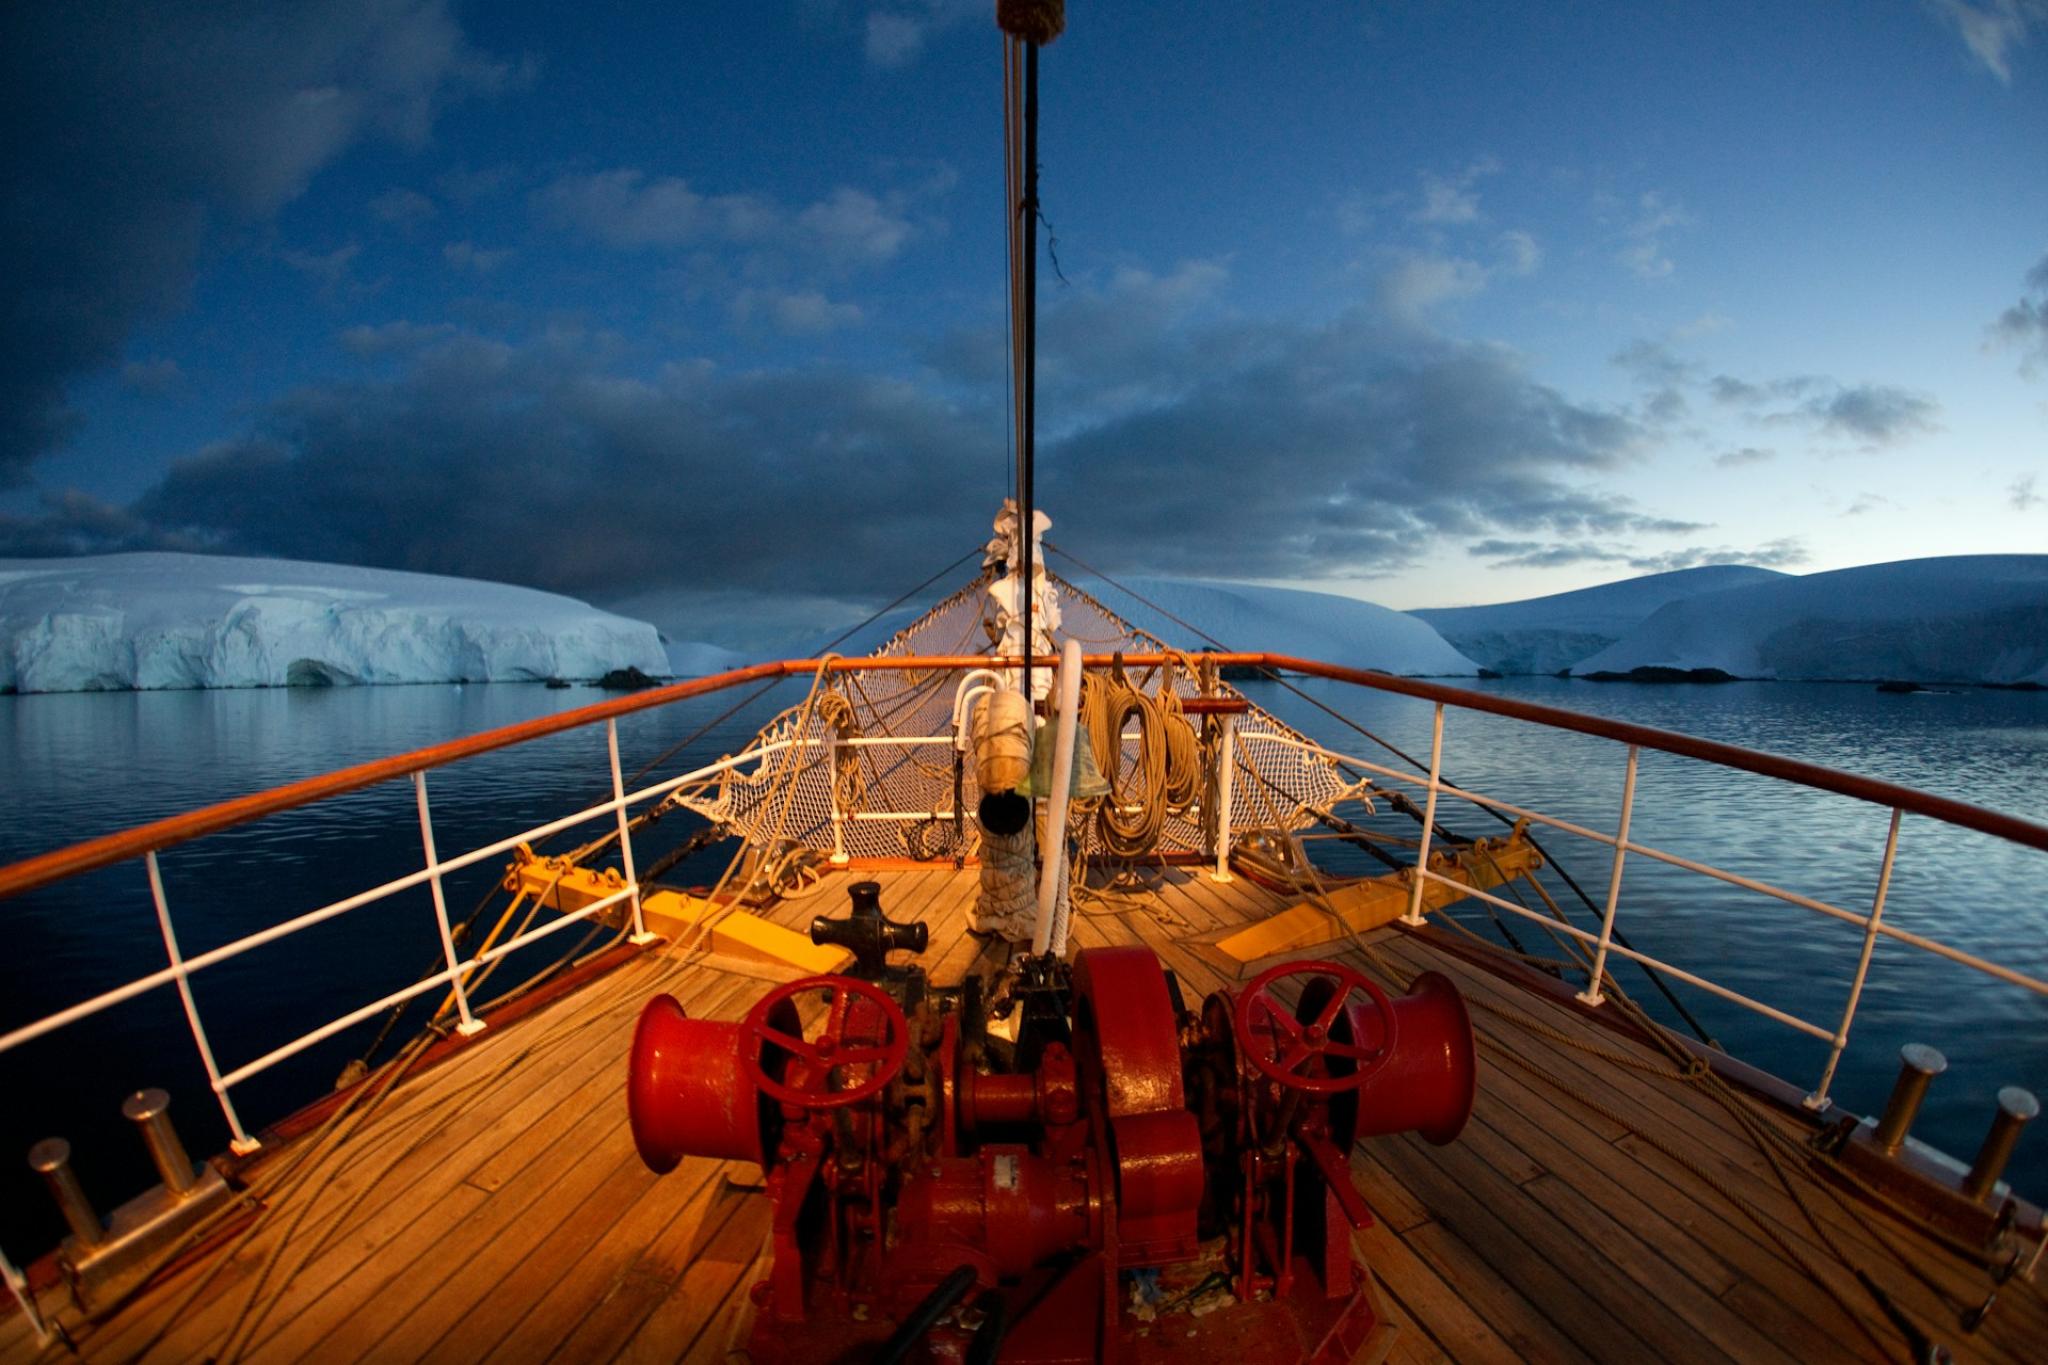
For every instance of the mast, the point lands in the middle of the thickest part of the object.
(1029, 24)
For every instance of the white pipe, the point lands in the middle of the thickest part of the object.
(1436, 770)
(1052, 841)
(240, 1143)
(1819, 1098)
(469, 1025)
(1591, 995)
(974, 680)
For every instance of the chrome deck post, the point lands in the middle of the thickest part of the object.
(51, 1159)
(1919, 1064)
(1591, 995)
(149, 1111)
(469, 1025)
(2015, 1108)
(1436, 772)
(640, 934)
(239, 1142)
(1819, 1098)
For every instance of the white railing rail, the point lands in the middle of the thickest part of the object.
(1602, 944)
(146, 842)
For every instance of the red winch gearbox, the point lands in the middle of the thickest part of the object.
(1125, 1180)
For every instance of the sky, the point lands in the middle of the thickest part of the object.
(698, 312)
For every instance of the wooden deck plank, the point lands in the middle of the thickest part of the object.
(702, 1297)
(1434, 1307)
(1552, 1272)
(635, 1288)
(480, 1209)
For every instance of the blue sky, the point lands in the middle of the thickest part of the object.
(701, 315)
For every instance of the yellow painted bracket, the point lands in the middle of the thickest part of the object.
(560, 885)
(1382, 900)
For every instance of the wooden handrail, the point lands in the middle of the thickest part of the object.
(46, 868)
(1887, 794)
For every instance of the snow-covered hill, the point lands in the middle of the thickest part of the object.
(1966, 618)
(175, 620)
(1549, 634)
(1314, 625)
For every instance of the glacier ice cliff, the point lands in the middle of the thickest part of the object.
(151, 621)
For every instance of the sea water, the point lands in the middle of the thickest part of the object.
(73, 766)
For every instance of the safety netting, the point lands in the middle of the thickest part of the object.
(867, 764)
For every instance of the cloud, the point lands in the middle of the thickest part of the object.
(467, 255)
(1186, 439)
(103, 213)
(897, 32)
(1654, 217)
(1867, 502)
(1747, 455)
(395, 338)
(1871, 415)
(403, 208)
(623, 208)
(1880, 414)
(1418, 282)
(1664, 376)
(2025, 324)
(2020, 494)
(1993, 28)
(1520, 255)
(805, 313)
(1531, 554)
(1452, 199)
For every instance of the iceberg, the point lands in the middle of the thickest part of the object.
(1963, 618)
(1311, 625)
(159, 620)
(1547, 635)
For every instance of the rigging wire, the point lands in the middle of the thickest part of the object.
(1395, 799)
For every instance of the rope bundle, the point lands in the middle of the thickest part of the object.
(1168, 776)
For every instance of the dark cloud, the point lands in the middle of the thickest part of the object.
(624, 208)
(1880, 414)
(1747, 455)
(1870, 415)
(1184, 443)
(2025, 324)
(1532, 554)
(102, 211)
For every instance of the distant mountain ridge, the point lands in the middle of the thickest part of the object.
(1547, 635)
(1960, 618)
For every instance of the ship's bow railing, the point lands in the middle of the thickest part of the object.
(1255, 748)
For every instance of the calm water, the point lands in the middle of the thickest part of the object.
(78, 765)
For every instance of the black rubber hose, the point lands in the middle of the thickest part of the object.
(951, 1290)
(988, 1338)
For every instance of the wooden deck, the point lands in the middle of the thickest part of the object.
(1596, 1208)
